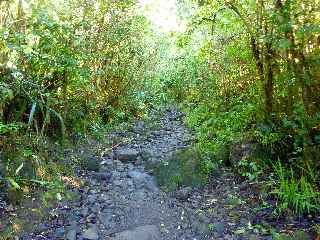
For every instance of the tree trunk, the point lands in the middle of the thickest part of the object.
(65, 95)
(268, 88)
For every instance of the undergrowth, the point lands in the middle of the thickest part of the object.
(299, 193)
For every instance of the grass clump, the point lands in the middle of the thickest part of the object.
(298, 193)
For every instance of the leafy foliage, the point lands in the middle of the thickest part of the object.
(65, 68)
(249, 72)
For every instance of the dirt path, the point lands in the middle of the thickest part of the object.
(122, 201)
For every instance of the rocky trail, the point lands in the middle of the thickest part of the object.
(121, 200)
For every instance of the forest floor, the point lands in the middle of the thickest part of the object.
(118, 196)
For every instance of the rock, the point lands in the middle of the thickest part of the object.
(139, 178)
(244, 221)
(203, 218)
(106, 217)
(96, 208)
(142, 179)
(146, 155)
(200, 227)
(219, 228)
(115, 175)
(84, 212)
(71, 234)
(91, 164)
(105, 176)
(148, 232)
(40, 228)
(184, 193)
(59, 232)
(136, 174)
(117, 183)
(138, 127)
(139, 195)
(92, 198)
(151, 185)
(130, 166)
(127, 155)
(91, 234)
(228, 237)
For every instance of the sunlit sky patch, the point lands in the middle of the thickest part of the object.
(163, 14)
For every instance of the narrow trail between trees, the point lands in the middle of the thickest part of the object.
(122, 201)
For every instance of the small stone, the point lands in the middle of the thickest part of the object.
(139, 194)
(92, 198)
(203, 218)
(244, 221)
(130, 183)
(201, 227)
(59, 232)
(41, 228)
(84, 212)
(228, 237)
(117, 183)
(184, 193)
(71, 234)
(135, 174)
(96, 208)
(138, 127)
(219, 228)
(91, 234)
(105, 176)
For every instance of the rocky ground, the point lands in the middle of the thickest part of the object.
(121, 200)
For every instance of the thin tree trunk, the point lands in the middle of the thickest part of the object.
(65, 95)
(268, 88)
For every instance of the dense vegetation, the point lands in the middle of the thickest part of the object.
(254, 80)
(65, 67)
(246, 72)
(260, 88)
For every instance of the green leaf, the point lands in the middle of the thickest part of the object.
(19, 168)
(13, 183)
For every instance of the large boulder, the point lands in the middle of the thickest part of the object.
(142, 179)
